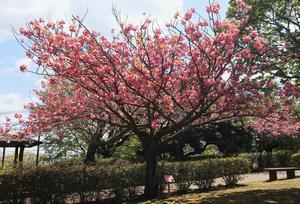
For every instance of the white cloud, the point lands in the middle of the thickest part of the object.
(11, 103)
(23, 61)
(16, 69)
(100, 17)
(17, 12)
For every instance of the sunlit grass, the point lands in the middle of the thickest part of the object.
(283, 191)
(28, 161)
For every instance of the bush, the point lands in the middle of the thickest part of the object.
(55, 183)
(295, 159)
(212, 150)
(258, 161)
(232, 168)
(252, 158)
(184, 176)
(281, 158)
(129, 150)
(206, 172)
(203, 172)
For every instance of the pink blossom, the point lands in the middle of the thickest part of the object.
(246, 39)
(23, 68)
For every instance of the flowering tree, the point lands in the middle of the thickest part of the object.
(278, 21)
(59, 115)
(277, 123)
(154, 82)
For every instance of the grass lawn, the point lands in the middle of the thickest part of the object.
(283, 191)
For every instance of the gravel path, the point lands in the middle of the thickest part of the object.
(248, 178)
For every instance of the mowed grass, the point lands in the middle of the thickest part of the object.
(283, 191)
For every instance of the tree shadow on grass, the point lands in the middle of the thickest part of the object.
(284, 196)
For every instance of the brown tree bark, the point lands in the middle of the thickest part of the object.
(151, 176)
(91, 152)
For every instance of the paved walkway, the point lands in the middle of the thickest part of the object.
(263, 176)
(248, 178)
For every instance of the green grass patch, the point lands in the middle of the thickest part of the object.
(283, 191)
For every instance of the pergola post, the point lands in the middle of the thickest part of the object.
(38, 152)
(21, 155)
(3, 156)
(16, 156)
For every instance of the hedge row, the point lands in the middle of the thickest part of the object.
(203, 172)
(268, 159)
(56, 183)
(295, 159)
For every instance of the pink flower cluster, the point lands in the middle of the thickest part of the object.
(144, 78)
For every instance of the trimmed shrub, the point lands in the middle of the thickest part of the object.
(295, 159)
(252, 157)
(258, 161)
(55, 183)
(64, 180)
(212, 150)
(184, 175)
(281, 158)
(206, 172)
(203, 172)
(232, 168)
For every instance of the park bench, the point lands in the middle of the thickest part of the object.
(290, 172)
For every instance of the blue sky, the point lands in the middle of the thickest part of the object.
(15, 87)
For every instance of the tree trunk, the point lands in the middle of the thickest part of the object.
(91, 152)
(151, 175)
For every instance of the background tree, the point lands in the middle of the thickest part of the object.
(231, 137)
(130, 150)
(91, 135)
(72, 146)
(278, 21)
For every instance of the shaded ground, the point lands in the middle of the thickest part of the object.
(282, 191)
(247, 178)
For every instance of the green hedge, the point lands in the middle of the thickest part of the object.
(233, 168)
(55, 183)
(281, 158)
(277, 158)
(295, 159)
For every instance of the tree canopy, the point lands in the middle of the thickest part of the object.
(155, 83)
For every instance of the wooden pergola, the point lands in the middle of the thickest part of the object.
(19, 145)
